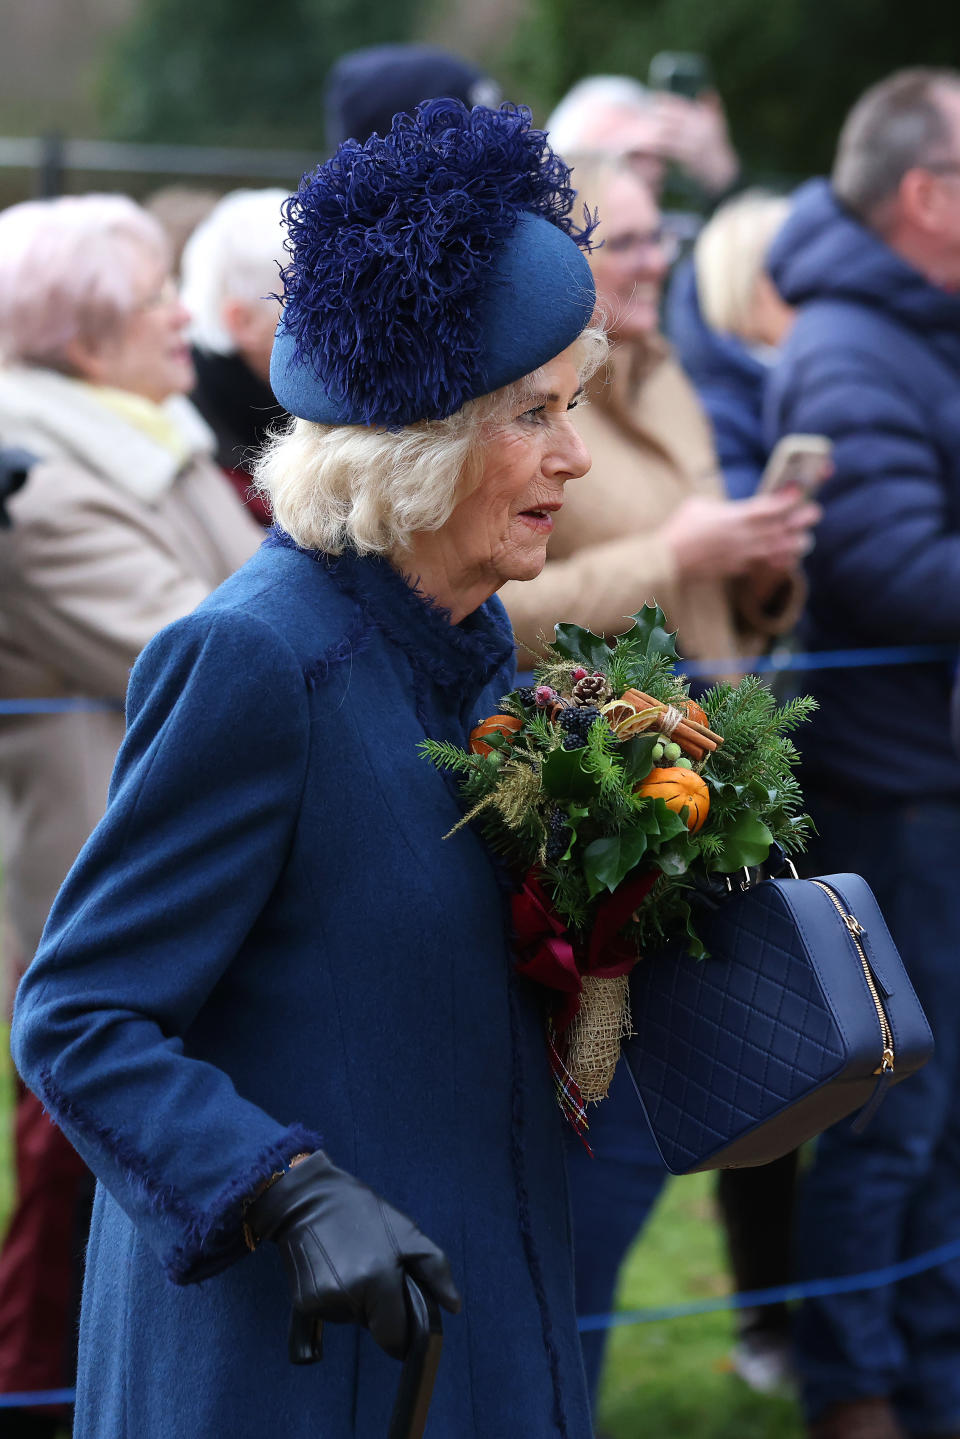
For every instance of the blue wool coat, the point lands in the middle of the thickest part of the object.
(268, 945)
(873, 362)
(729, 380)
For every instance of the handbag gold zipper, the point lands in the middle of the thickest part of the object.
(855, 929)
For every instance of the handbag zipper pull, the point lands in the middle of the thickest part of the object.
(879, 1091)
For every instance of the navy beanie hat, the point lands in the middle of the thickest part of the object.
(428, 267)
(366, 88)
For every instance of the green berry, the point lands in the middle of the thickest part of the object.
(683, 763)
(657, 752)
(672, 751)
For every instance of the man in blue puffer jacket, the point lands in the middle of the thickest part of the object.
(873, 261)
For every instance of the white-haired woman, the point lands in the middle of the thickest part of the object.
(230, 273)
(124, 524)
(727, 321)
(271, 991)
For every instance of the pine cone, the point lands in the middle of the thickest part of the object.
(591, 690)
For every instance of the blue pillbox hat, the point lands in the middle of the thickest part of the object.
(427, 268)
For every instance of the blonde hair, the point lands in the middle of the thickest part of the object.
(730, 255)
(336, 487)
(68, 271)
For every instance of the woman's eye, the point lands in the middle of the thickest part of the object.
(534, 416)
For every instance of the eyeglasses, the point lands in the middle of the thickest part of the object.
(665, 242)
(166, 294)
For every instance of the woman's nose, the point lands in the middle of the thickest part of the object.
(571, 458)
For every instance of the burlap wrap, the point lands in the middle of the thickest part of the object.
(593, 1039)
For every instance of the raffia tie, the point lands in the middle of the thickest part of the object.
(593, 1039)
(669, 720)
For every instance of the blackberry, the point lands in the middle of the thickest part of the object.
(558, 836)
(527, 695)
(574, 741)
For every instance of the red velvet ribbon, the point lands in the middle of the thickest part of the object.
(544, 951)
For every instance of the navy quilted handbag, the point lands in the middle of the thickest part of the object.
(802, 1014)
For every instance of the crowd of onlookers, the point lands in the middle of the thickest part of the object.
(134, 392)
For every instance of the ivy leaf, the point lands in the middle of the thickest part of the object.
(676, 857)
(637, 756)
(608, 861)
(650, 631)
(563, 777)
(572, 642)
(663, 823)
(575, 813)
(695, 945)
(746, 843)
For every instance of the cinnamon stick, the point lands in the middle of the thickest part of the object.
(687, 733)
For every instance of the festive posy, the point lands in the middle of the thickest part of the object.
(616, 799)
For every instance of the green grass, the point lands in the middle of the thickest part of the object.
(673, 1378)
(663, 1380)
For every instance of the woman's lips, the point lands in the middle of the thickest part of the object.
(540, 520)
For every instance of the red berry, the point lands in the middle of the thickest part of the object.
(544, 694)
(580, 673)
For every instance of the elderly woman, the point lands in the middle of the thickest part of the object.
(124, 524)
(229, 275)
(271, 992)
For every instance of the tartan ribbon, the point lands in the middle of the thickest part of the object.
(546, 955)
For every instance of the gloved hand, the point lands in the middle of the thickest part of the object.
(345, 1252)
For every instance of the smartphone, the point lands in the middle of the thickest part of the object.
(681, 73)
(802, 460)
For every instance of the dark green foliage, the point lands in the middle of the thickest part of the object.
(237, 72)
(788, 72)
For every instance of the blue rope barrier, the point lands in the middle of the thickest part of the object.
(782, 1294)
(57, 706)
(748, 1299)
(37, 1399)
(776, 663)
(784, 659)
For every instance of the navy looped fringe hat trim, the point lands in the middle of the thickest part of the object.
(429, 267)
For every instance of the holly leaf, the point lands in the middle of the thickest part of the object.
(649, 629)
(572, 642)
(563, 777)
(746, 843)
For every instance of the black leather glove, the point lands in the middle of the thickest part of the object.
(345, 1252)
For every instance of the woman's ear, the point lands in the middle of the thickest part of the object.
(85, 360)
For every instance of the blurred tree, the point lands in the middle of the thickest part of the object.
(236, 71)
(788, 72)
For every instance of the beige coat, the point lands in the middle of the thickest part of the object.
(112, 538)
(651, 448)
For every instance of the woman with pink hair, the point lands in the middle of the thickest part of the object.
(124, 524)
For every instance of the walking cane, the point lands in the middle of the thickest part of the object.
(420, 1366)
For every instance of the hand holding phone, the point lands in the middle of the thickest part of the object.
(803, 461)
